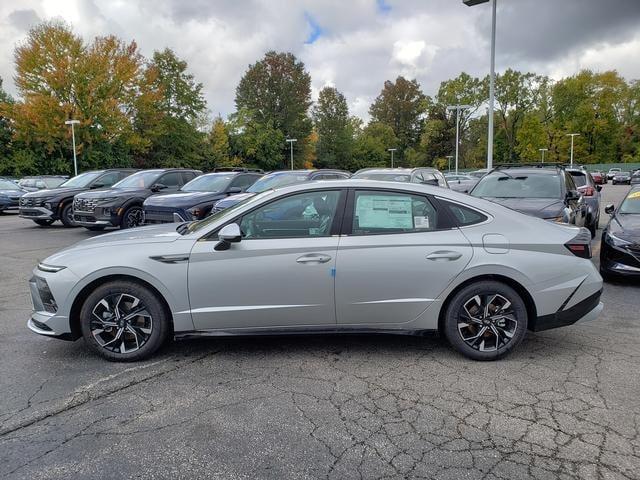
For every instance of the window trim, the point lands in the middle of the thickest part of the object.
(453, 218)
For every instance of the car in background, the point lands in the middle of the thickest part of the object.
(460, 182)
(612, 172)
(41, 182)
(635, 178)
(121, 205)
(46, 206)
(410, 258)
(591, 194)
(545, 191)
(599, 177)
(479, 173)
(196, 198)
(10, 194)
(620, 246)
(278, 180)
(424, 175)
(621, 178)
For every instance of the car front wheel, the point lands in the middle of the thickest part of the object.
(132, 217)
(66, 216)
(124, 321)
(485, 320)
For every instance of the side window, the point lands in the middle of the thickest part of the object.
(379, 212)
(188, 176)
(244, 181)
(107, 179)
(464, 216)
(171, 180)
(571, 185)
(418, 178)
(308, 214)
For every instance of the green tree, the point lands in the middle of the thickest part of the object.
(530, 138)
(401, 105)
(370, 149)
(220, 152)
(257, 144)
(334, 128)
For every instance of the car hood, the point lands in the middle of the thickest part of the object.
(626, 226)
(12, 193)
(237, 198)
(537, 207)
(114, 192)
(182, 199)
(51, 192)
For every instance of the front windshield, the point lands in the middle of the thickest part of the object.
(631, 204)
(200, 224)
(384, 176)
(622, 174)
(278, 180)
(8, 185)
(515, 185)
(82, 180)
(208, 183)
(139, 180)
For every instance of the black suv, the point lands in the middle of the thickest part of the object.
(46, 206)
(195, 199)
(121, 205)
(543, 190)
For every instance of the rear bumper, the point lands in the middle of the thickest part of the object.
(583, 311)
(37, 213)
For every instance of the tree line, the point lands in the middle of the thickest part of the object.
(151, 112)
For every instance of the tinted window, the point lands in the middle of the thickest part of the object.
(518, 185)
(390, 212)
(308, 214)
(244, 181)
(464, 216)
(171, 180)
(579, 178)
(108, 179)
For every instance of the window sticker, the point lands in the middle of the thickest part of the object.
(421, 222)
(384, 211)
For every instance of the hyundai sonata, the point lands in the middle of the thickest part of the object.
(341, 256)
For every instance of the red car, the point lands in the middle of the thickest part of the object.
(599, 177)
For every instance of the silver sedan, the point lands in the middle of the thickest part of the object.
(340, 256)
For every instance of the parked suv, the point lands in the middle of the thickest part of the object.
(425, 175)
(46, 206)
(591, 194)
(41, 182)
(195, 200)
(278, 180)
(542, 190)
(121, 205)
(10, 194)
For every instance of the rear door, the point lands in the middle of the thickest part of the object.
(397, 254)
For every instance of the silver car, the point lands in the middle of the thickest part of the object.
(342, 256)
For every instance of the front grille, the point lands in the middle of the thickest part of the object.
(158, 216)
(84, 204)
(31, 202)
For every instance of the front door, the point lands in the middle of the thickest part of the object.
(281, 274)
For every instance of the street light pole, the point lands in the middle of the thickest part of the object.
(572, 135)
(457, 108)
(290, 142)
(391, 150)
(543, 150)
(449, 157)
(492, 76)
(73, 140)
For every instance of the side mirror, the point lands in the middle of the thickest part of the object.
(156, 187)
(227, 235)
(599, 188)
(234, 190)
(609, 209)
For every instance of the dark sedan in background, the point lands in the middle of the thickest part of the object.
(195, 200)
(620, 246)
(542, 190)
(622, 177)
(10, 194)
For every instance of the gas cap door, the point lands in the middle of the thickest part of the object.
(495, 243)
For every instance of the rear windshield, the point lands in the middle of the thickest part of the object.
(518, 185)
(579, 178)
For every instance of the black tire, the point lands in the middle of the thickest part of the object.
(98, 228)
(142, 336)
(457, 323)
(66, 216)
(132, 217)
(594, 227)
(44, 223)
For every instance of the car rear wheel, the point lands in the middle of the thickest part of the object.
(485, 320)
(124, 321)
(43, 223)
(66, 216)
(132, 217)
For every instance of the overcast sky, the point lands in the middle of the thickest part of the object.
(354, 45)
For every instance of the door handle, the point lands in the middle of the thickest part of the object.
(444, 255)
(313, 258)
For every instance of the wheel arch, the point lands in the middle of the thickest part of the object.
(517, 286)
(76, 306)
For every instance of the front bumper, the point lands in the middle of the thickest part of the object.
(157, 215)
(100, 217)
(621, 261)
(37, 213)
(45, 320)
(583, 311)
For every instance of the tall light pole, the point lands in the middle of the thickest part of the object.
(449, 157)
(391, 150)
(543, 150)
(290, 141)
(572, 135)
(457, 108)
(492, 76)
(73, 139)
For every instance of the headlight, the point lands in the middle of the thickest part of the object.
(196, 212)
(50, 268)
(48, 206)
(615, 241)
(559, 219)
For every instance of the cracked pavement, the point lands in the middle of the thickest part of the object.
(564, 405)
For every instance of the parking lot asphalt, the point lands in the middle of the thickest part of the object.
(565, 404)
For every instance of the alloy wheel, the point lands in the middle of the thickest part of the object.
(133, 218)
(121, 323)
(487, 322)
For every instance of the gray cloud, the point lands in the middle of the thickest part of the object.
(23, 19)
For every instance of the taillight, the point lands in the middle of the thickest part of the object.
(587, 191)
(580, 245)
